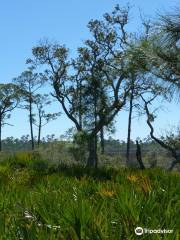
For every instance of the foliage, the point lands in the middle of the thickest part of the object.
(159, 49)
(29, 82)
(93, 87)
(172, 137)
(78, 203)
(79, 147)
(9, 100)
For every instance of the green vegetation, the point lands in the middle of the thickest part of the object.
(76, 187)
(44, 201)
(112, 71)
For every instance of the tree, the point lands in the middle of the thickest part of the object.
(29, 82)
(131, 98)
(41, 102)
(103, 66)
(141, 69)
(9, 99)
(155, 54)
(161, 49)
(140, 83)
(172, 145)
(167, 48)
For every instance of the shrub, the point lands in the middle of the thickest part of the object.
(39, 165)
(79, 147)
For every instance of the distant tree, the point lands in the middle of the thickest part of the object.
(69, 134)
(42, 118)
(9, 100)
(29, 82)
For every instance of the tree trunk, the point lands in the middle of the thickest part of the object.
(93, 158)
(173, 164)
(92, 148)
(80, 104)
(160, 142)
(31, 124)
(96, 156)
(0, 133)
(139, 156)
(102, 140)
(39, 131)
(129, 126)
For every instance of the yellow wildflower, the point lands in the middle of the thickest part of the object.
(106, 193)
(132, 178)
(146, 185)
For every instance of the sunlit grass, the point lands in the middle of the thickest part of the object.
(78, 203)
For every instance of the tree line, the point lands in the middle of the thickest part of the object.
(114, 70)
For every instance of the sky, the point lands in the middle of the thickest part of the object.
(24, 23)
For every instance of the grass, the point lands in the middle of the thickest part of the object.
(41, 201)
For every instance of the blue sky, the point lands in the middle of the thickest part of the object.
(24, 23)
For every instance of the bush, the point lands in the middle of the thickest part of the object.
(79, 147)
(39, 165)
(22, 159)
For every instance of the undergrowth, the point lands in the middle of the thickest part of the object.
(43, 201)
